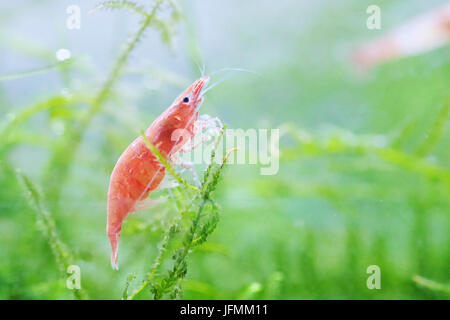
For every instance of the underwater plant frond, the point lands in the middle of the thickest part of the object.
(66, 148)
(436, 131)
(23, 74)
(123, 4)
(165, 162)
(62, 254)
(197, 221)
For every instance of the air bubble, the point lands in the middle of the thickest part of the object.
(63, 54)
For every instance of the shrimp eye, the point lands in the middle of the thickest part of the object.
(186, 99)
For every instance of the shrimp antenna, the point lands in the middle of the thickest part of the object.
(201, 68)
(200, 63)
(215, 84)
(235, 69)
(227, 76)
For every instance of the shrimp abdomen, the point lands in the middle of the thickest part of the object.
(135, 174)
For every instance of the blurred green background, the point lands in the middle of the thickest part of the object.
(364, 173)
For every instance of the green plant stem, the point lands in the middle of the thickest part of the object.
(65, 150)
(337, 145)
(186, 250)
(435, 132)
(157, 263)
(164, 243)
(209, 183)
(62, 255)
(18, 75)
(121, 5)
(120, 63)
(28, 112)
(165, 162)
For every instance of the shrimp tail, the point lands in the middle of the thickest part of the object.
(114, 240)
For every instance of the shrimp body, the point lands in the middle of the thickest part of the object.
(422, 33)
(138, 171)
